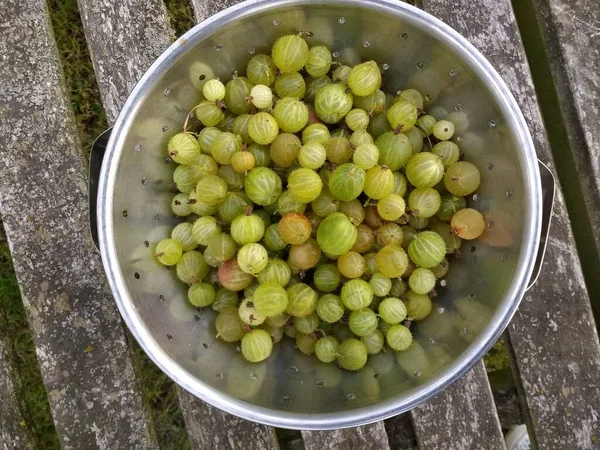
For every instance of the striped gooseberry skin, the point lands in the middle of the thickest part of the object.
(392, 310)
(427, 249)
(291, 115)
(330, 308)
(230, 327)
(261, 154)
(234, 205)
(333, 103)
(306, 255)
(326, 349)
(411, 95)
(373, 103)
(263, 128)
(336, 234)
(261, 96)
(373, 342)
(450, 205)
(357, 119)
(424, 202)
(379, 182)
(319, 61)
(240, 127)
(453, 242)
(418, 306)
(357, 294)
(398, 337)
(316, 132)
(191, 268)
(201, 294)
(272, 239)
(212, 189)
(270, 299)
(180, 205)
(184, 179)
(277, 272)
(262, 186)
(366, 156)
(249, 314)
(338, 149)
(347, 182)
(351, 264)
(416, 137)
(305, 185)
(424, 170)
(236, 92)
(364, 240)
(364, 78)
(362, 322)
(225, 299)
(302, 300)
(232, 277)
(422, 280)
(205, 138)
(183, 148)
(246, 229)
(253, 258)
(261, 70)
(352, 354)
(361, 137)
(327, 278)
(395, 150)
(286, 204)
(325, 204)
(312, 155)
(257, 345)
(391, 207)
(468, 224)
(209, 113)
(224, 146)
(290, 53)
(392, 261)
(295, 228)
(380, 284)
(390, 234)
(402, 115)
(314, 86)
(307, 324)
(462, 178)
(426, 123)
(354, 210)
(306, 343)
(222, 246)
(290, 85)
(447, 151)
(284, 149)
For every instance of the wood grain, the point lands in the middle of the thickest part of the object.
(372, 437)
(80, 342)
(553, 334)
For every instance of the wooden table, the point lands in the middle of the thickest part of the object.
(81, 345)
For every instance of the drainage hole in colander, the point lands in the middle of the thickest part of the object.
(420, 65)
(509, 193)
(377, 375)
(197, 318)
(276, 22)
(453, 72)
(471, 296)
(403, 36)
(286, 400)
(125, 213)
(138, 148)
(157, 217)
(341, 20)
(441, 310)
(504, 258)
(252, 50)
(161, 298)
(253, 376)
(167, 92)
(294, 369)
(366, 44)
(458, 107)
(465, 330)
(385, 66)
(418, 373)
(443, 283)
(169, 336)
(472, 249)
(309, 34)
(427, 97)
(350, 396)
(492, 123)
(219, 375)
(144, 181)
(205, 345)
(491, 224)
(218, 47)
(165, 128)
(320, 383)
(136, 276)
(146, 244)
(490, 166)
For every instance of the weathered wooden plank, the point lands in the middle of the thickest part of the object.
(571, 33)
(14, 432)
(553, 335)
(211, 428)
(203, 9)
(371, 436)
(124, 40)
(461, 417)
(79, 339)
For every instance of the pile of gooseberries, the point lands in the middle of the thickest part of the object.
(316, 206)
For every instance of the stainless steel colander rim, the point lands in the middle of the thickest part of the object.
(384, 409)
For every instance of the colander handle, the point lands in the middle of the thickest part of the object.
(548, 189)
(96, 158)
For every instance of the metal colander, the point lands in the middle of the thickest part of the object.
(477, 297)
